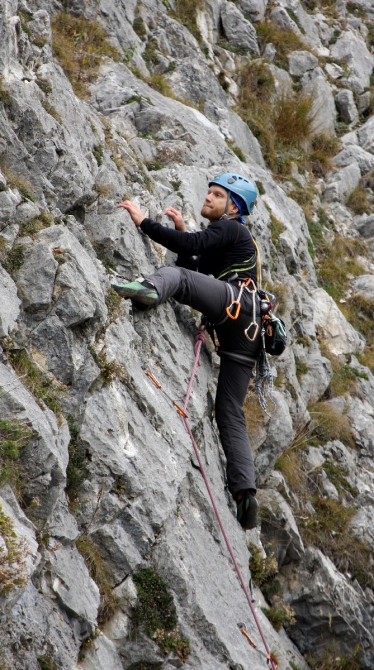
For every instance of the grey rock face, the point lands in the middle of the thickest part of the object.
(254, 8)
(9, 306)
(355, 154)
(26, 550)
(353, 50)
(323, 110)
(46, 455)
(140, 498)
(279, 528)
(364, 285)
(76, 591)
(341, 338)
(365, 226)
(301, 62)
(238, 29)
(328, 603)
(346, 106)
(365, 135)
(341, 183)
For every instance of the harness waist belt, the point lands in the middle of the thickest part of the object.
(240, 358)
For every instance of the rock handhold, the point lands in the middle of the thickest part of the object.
(238, 29)
(346, 106)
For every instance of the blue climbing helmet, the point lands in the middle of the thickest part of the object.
(241, 187)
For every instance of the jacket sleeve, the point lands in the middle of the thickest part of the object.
(217, 236)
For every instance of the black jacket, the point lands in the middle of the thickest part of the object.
(225, 247)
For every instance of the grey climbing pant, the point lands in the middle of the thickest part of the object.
(211, 296)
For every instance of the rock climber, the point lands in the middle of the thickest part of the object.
(211, 266)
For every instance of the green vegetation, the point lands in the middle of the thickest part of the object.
(281, 125)
(334, 660)
(185, 12)
(279, 614)
(51, 110)
(301, 368)
(80, 45)
(237, 150)
(337, 260)
(13, 555)
(76, 471)
(276, 228)
(155, 612)
(359, 201)
(15, 181)
(328, 424)
(12, 259)
(338, 476)
(285, 41)
(98, 152)
(263, 571)
(114, 304)
(46, 663)
(328, 530)
(44, 220)
(14, 435)
(344, 379)
(4, 94)
(39, 383)
(262, 567)
(109, 370)
(99, 573)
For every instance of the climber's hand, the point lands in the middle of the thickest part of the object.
(177, 218)
(134, 211)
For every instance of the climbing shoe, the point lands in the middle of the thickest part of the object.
(246, 512)
(141, 292)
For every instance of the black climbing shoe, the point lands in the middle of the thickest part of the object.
(246, 512)
(143, 292)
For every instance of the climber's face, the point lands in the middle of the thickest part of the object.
(215, 204)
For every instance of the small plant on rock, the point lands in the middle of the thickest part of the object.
(80, 45)
(13, 556)
(100, 574)
(279, 614)
(14, 436)
(156, 613)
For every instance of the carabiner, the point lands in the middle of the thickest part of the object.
(236, 314)
(254, 325)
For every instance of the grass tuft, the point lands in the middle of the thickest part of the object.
(80, 45)
(285, 41)
(39, 383)
(14, 436)
(100, 574)
(13, 555)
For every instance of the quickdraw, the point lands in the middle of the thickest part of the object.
(242, 286)
(271, 661)
(251, 331)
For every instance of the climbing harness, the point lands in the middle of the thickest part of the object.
(199, 341)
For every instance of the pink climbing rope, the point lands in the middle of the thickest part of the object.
(200, 340)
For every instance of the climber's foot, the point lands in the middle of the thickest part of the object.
(246, 512)
(141, 292)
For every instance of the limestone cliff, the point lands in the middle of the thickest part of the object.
(110, 555)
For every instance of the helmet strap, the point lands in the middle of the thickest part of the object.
(225, 215)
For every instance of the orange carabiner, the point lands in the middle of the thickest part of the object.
(180, 410)
(237, 310)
